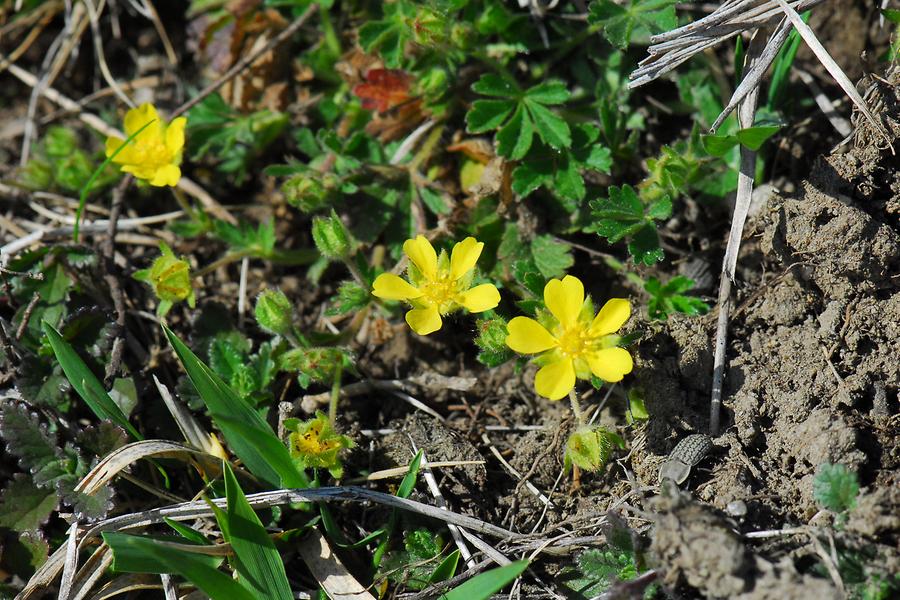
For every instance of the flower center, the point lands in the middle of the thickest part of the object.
(574, 341)
(152, 153)
(438, 291)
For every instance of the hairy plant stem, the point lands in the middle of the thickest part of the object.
(335, 395)
(576, 407)
(221, 262)
(183, 203)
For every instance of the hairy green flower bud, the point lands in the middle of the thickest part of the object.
(274, 312)
(309, 191)
(589, 448)
(170, 278)
(331, 237)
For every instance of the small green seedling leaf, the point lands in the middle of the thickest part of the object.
(751, 137)
(835, 487)
(484, 585)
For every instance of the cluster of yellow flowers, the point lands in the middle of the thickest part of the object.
(569, 340)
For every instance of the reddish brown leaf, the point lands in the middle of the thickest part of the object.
(383, 89)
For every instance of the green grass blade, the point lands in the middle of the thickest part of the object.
(483, 585)
(139, 554)
(85, 190)
(405, 489)
(258, 559)
(246, 432)
(86, 383)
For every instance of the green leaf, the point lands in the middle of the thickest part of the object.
(409, 480)
(25, 506)
(640, 19)
(514, 139)
(258, 560)
(835, 487)
(552, 91)
(86, 383)
(446, 569)
(139, 554)
(754, 137)
(623, 215)
(644, 246)
(488, 115)
(552, 258)
(483, 585)
(554, 131)
(248, 435)
(491, 84)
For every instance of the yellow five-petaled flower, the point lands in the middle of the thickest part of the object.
(571, 341)
(153, 154)
(437, 285)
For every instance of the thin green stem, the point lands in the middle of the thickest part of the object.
(576, 406)
(225, 260)
(335, 395)
(183, 203)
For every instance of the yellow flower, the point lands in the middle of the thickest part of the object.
(437, 285)
(572, 342)
(155, 153)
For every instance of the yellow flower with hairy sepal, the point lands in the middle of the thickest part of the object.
(437, 285)
(153, 154)
(571, 341)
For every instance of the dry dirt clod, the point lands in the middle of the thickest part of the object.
(684, 456)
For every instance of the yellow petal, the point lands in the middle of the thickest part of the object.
(166, 175)
(611, 317)
(556, 380)
(112, 144)
(480, 298)
(464, 256)
(564, 299)
(138, 117)
(424, 320)
(175, 135)
(610, 364)
(422, 254)
(527, 336)
(391, 287)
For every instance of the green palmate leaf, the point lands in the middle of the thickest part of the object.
(86, 383)
(514, 139)
(559, 171)
(552, 91)
(483, 585)
(258, 560)
(488, 115)
(248, 435)
(491, 84)
(835, 487)
(25, 506)
(598, 570)
(138, 554)
(625, 215)
(552, 258)
(550, 126)
(639, 18)
(668, 299)
(519, 115)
